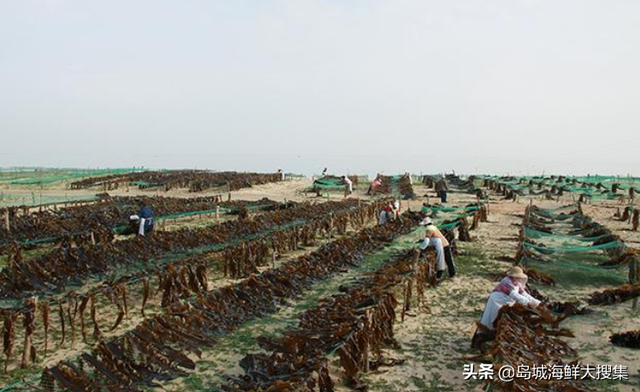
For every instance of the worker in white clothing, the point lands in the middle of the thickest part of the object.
(348, 185)
(434, 237)
(510, 290)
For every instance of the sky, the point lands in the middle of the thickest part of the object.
(360, 87)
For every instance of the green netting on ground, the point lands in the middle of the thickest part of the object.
(578, 270)
(448, 213)
(46, 177)
(448, 226)
(533, 233)
(436, 209)
(33, 199)
(144, 183)
(572, 249)
(566, 256)
(328, 183)
(451, 225)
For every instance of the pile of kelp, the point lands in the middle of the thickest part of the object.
(529, 337)
(467, 185)
(158, 349)
(357, 324)
(111, 213)
(629, 339)
(501, 187)
(397, 185)
(615, 296)
(71, 261)
(537, 276)
(195, 180)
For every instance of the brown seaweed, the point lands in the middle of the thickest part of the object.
(9, 335)
(629, 339)
(613, 296)
(522, 338)
(357, 325)
(53, 270)
(156, 348)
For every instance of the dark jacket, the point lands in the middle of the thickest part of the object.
(145, 212)
(441, 185)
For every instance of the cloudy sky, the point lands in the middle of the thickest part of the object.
(488, 86)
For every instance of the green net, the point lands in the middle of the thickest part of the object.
(50, 176)
(35, 199)
(566, 255)
(533, 233)
(450, 214)
(328, 183)
(427, 209)
(578, 270)
(570, 249)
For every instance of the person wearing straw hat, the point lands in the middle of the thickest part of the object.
(434, 237)
(511, 289)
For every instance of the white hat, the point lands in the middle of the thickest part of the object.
(426, 221)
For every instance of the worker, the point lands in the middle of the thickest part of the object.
(510, 290)
(408, 175)
(387, 214)
(384, 217)
(144, 220)
(282, 175)
(441, 189)
(324, 172)
(348, 185)
(434, 237)
(396, 209)
(374, 185)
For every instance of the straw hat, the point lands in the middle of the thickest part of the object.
(516, 272)
(426, 222)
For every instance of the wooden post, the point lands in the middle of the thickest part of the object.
(217, 213)
(365, 362)
(6, 221)
(26, 353)
(273, 259)
(93, 238)
(330, 225)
